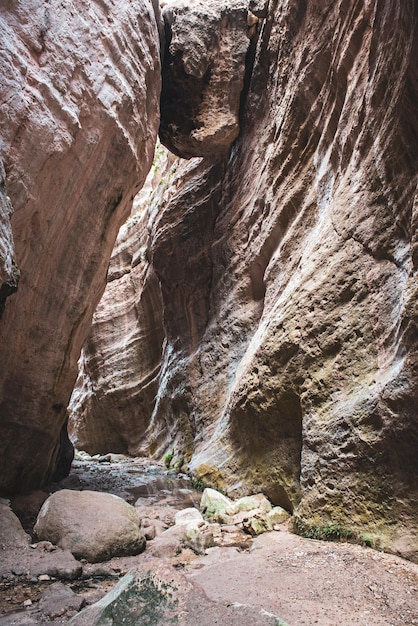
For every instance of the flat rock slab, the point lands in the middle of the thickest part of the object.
(92, 525)
(307, 582)
(160, 595)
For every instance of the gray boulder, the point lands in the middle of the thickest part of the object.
(92, 525)
(158, 595)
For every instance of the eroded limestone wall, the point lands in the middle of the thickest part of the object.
(79, 112)
(287, 270)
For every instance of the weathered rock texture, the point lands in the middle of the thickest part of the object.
(288, 278)
(119, 366)
(80, 84)
(91, 525)
(161, 595)
(9, 274)
(203, 75)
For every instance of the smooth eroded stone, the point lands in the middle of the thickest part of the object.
(277, 515)
(79, 99)
(249, 503)
(92, 525)
(188, 515)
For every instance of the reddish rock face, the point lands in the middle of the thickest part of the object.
(118, 379)
(79, 113)
(9, 274)
(288, 279)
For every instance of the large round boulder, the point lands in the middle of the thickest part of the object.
(92, 525)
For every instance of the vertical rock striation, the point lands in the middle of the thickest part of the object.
(9, 274)
(118, 370)
(79, 102)
(288, 277)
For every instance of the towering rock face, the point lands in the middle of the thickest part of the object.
(119, 366)
(79, 101)
(9, 274)
(288, 278)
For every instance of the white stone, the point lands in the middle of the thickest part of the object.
(214, 505)
(188, 515)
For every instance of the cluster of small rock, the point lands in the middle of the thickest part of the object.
(76, 531)
(98, 526)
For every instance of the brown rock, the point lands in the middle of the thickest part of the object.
(27, 506)
(117, 419)
(38, 559)
(12, 534)
(203, 76)
(9, 274)
(92, 525)
(58, 600)
(288, 280)
(56, 563)
(79, 97)
(303, 380)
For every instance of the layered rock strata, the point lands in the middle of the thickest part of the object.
(288, 279)
(79, 102)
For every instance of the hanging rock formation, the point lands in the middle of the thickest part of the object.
(203, 75)
(79, 101)
(288, 277)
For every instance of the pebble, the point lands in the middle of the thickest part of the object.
(27, 603)
(44, 577)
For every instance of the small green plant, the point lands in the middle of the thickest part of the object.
(198, 484)
(179, 463)
(367, 540)
(167, 459)
(327, 532)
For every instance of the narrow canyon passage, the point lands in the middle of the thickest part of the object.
(233, 308)
(259, 319)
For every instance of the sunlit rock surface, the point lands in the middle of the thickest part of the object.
(288, 279)
(79, 102)
(118, 370)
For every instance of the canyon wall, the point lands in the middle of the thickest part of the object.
(287, 275)
(79, 102)
(120, 362)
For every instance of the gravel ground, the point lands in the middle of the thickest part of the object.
(301, 581)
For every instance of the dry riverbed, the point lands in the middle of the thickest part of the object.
(274, 578)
